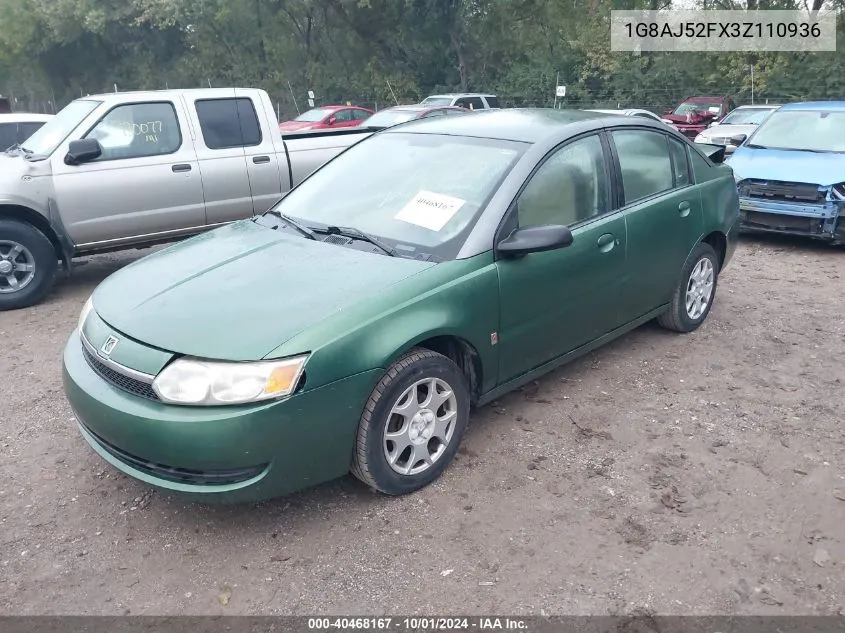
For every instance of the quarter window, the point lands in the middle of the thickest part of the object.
(227, 123)
(570, 187)
(645, 163)
(137, 130)
(680, 163)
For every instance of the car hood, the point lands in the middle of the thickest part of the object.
(788, 166)
(727, 131)
(238, 292)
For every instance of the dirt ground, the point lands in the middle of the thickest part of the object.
(669, 474)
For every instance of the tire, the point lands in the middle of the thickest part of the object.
(421, 434)
(21, 246)
(679, 318)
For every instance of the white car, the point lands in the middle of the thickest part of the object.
(16, 128)
(637, 112)
(467, 100)
(736, 126)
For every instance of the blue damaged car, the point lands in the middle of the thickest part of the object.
(790, 172)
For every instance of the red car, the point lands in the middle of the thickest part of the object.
(327, 118)
(694, 114)
(400, 114)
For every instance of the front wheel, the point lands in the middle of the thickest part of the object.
(28, 265)
(412, 424)
(694, 295)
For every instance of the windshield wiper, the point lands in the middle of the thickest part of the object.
(753, 146)
(299, 227)
(350, 231)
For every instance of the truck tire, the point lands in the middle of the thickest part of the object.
(28, 265)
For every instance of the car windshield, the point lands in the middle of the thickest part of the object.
(420, 193)
(747, 116)
(698, 106)
(807, 130)
(317, 114)
(437, 101)
(386, 118)
(47, 138)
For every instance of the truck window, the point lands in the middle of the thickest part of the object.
(136, 130)
(8, 135)
(470, 103)
(493, 102)
(227, 123)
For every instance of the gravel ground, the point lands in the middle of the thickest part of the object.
(668, 474)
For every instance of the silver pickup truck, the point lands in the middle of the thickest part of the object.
(129, 170)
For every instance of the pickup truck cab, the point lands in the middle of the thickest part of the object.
(128, 170)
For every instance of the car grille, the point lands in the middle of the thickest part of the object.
(781, 222)
(116, 379)
(180, 475)
(776, 191)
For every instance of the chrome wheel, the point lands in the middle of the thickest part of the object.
(420, 426)
(17, 266)
(700, 288)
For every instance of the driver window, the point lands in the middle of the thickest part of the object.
(137, 130)
(570, 187)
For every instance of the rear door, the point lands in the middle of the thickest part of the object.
(344, 118)
(265, 161)
(222, 158)
(145, 183)
(663, 211)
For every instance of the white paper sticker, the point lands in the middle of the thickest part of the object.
(430, 210)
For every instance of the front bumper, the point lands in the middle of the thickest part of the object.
(820, 221)
(226, 454)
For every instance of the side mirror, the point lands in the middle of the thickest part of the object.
(82, 151)
(332, 120)
(739, 139)
(535, 239)
(716, 122)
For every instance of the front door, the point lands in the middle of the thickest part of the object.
(663, 212)
(146, 181)
(556, 301)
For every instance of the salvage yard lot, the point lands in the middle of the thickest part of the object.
(673, 474)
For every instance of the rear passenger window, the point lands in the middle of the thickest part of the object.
(493, 102)
(645, 163)
(680, 162)
(228, 123)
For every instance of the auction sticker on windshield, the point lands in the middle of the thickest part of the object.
(430, 210)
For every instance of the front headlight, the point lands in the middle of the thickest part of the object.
(200, 382)
(86, 310)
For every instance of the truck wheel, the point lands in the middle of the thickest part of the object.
(27, 265)
(412, 424)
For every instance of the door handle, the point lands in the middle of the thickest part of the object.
(178, 168)
(683, 209)
(606, 242)
(260, 159)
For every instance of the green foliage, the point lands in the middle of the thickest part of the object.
(377, 52)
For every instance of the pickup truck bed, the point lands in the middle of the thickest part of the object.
(129, 170)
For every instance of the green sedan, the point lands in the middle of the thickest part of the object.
(427, 270)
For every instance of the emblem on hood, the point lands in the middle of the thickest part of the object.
(109, 345)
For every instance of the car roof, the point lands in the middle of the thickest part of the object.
(815, 105)
(758, 106)
(411, 108)
(527, 125)
(25, 117)
(461, 94)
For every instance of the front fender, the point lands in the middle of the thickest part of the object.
(458, 299)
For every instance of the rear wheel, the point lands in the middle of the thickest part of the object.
(27, 265)
(694, 295)
(412, 424)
